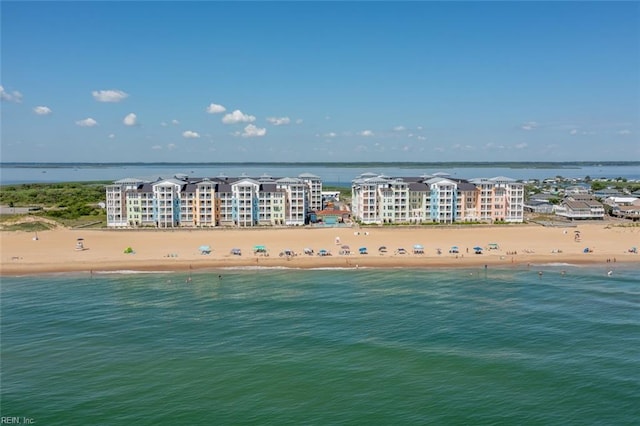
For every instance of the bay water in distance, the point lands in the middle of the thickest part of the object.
(332, 174)
(336, 346)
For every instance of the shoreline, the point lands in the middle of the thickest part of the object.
(519, 246)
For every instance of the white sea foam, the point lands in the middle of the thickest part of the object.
(130, 272)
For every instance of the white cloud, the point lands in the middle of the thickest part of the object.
(164, 124)
(188, 134)
(422, 138)
(112, 136)
(463, 147)
(215, 109)
(278, 121)
(573, 132)
(109, 95)
(175, 122)
(522, 145)
(252, 131)
(156, 147)
(399, 129)
(624, 132)
(330, 135)
(130, 120)
(299, 121)
(237, 117)
(42, 110)
(87, 122)
(492, 145)
(171, 146)
(366, 133)
(14, 96)
(529, 125)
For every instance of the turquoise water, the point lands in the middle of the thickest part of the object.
(364, 346)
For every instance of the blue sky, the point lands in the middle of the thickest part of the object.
(320, 81)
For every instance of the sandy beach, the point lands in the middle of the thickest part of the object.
(178, 250)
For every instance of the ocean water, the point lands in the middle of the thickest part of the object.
(361, 346)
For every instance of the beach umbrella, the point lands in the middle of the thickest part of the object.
(362, 249)
(477, 248)
(204, 248)
(418, 247)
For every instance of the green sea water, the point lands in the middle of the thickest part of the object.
(366, 346)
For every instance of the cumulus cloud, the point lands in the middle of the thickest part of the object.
(238, 116)
(130, 120)
(171, 146)
(422, 138)
(164, 124)
(573, 132)
(330, 135)
(529, 125)
(156, 147)
(624, 132)
(522, 145)
(215, 109)
(252, 131)
(366, 133)
(175, 122)
(278, 121)
(399, 129)
(42, 110)
(189, 134)
(299, 121)
(112, 136)
(109, 95)
(14, 96)
(460, 147)
(87, 122)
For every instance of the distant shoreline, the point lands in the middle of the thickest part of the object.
(346, 164)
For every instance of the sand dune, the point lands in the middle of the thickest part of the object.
(55, 250)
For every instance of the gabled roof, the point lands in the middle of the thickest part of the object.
(289, 181)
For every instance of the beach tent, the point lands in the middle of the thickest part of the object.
(259, 249)
(323, 252)
(493, 246)
(418, 249)
(204, 249)
(454, 249)
(236, 252)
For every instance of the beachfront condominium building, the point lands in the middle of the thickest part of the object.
(379, 199)
(182, 201)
